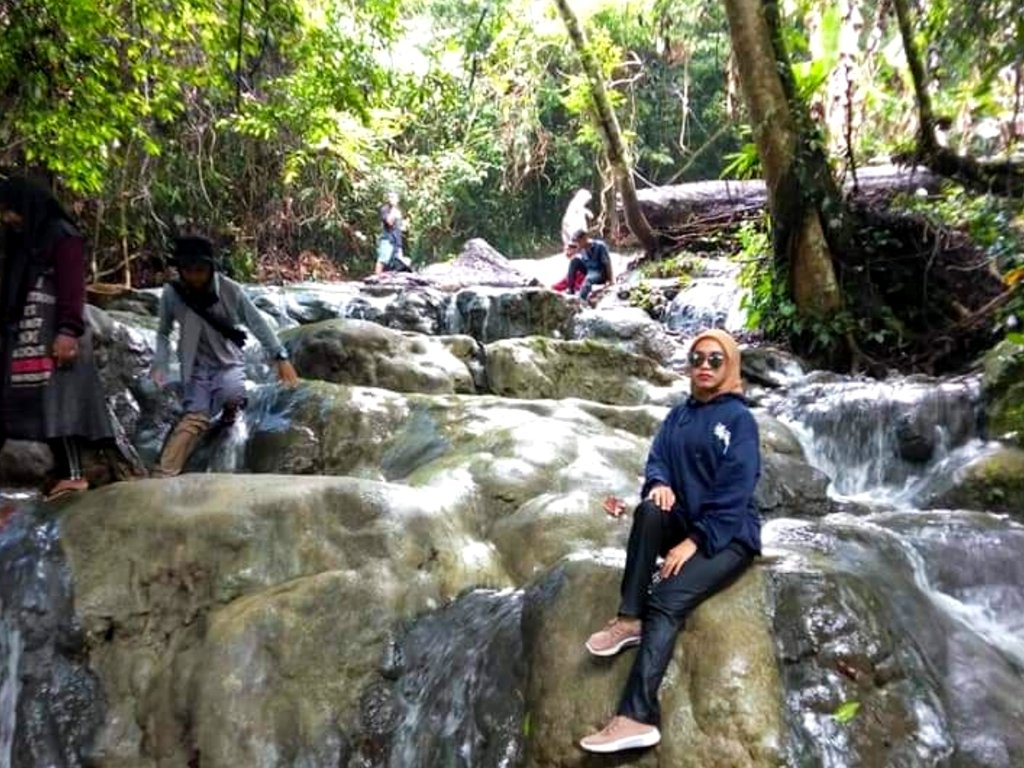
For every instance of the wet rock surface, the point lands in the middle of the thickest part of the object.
(401, 567)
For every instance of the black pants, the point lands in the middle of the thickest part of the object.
(664, 606)
(593, 277)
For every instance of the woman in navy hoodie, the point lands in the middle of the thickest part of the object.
(697, 511)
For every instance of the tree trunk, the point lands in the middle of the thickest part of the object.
(608, 124)
(800, 243)
(926, 142)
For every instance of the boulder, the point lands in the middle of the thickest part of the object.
(238, 617)
(991, 483)
(24, 463)
(721, 698)
(540, 368)
(503, 452)
(490, 314)
(479, 263)
(1003, 389)
(364, 353)
(628, 327)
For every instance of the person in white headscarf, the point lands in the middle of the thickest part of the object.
(577, 216)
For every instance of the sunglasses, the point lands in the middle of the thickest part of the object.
(714, 359)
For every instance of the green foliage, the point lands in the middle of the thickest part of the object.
(767, 299)
(683, 266)
(643, 296)
(846, 712)
(745, 163)
(810, 72)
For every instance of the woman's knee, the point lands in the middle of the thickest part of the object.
(647, 512)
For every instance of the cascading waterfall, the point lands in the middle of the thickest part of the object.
(460, 673)
(883, 440)
(710, 300)
(51, 705)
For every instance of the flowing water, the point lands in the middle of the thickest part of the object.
(949, 583)
(459, 685)
(51, 705)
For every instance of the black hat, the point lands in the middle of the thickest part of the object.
(193, 251)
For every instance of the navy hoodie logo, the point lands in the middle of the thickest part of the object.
(722, 433)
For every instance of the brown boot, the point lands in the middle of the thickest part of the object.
(181, 442)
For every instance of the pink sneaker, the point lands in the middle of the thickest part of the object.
(618, 634)
(621, 733)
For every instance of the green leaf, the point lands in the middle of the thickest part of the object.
(846, 711)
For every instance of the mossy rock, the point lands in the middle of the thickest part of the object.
(364, 353)
(543, 368)
(1003, 387)
(992, 483)
(721, 698)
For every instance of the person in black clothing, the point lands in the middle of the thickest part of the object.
(592, 259)
(698, 513)
(50, 390)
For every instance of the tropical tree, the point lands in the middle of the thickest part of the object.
(608, 123)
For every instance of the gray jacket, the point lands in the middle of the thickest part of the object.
(235, 306)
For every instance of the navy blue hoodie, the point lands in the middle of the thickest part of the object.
(709, 454)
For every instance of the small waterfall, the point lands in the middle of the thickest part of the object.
(227, 448)
(51, 705)
(918, 612)
(883, 440)
(459, 674)
(711, 300)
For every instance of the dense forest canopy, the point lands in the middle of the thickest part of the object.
(280, 125)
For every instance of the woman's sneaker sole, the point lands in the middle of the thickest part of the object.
(614, 649)
(640, 741)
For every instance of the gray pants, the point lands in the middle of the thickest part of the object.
(211, 387)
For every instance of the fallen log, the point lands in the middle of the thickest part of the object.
(670, 208)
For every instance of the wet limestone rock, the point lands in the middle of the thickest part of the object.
(721, 698)
(789, 486)
(24, 463)
(536, 470)
(364, 353)
(554, 457)
(540, 368)
(1003, 388)
(628, 327)
(490, 314)
(991, 483)
(237, 617)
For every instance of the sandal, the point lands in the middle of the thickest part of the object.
(65, 488)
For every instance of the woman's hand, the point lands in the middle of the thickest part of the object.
(614, 506)
(677, 557)
(663, 496)
(65, 350)
(286, 372)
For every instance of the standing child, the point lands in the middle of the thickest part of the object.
(208, 307)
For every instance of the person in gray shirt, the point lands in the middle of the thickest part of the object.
(209, 308)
